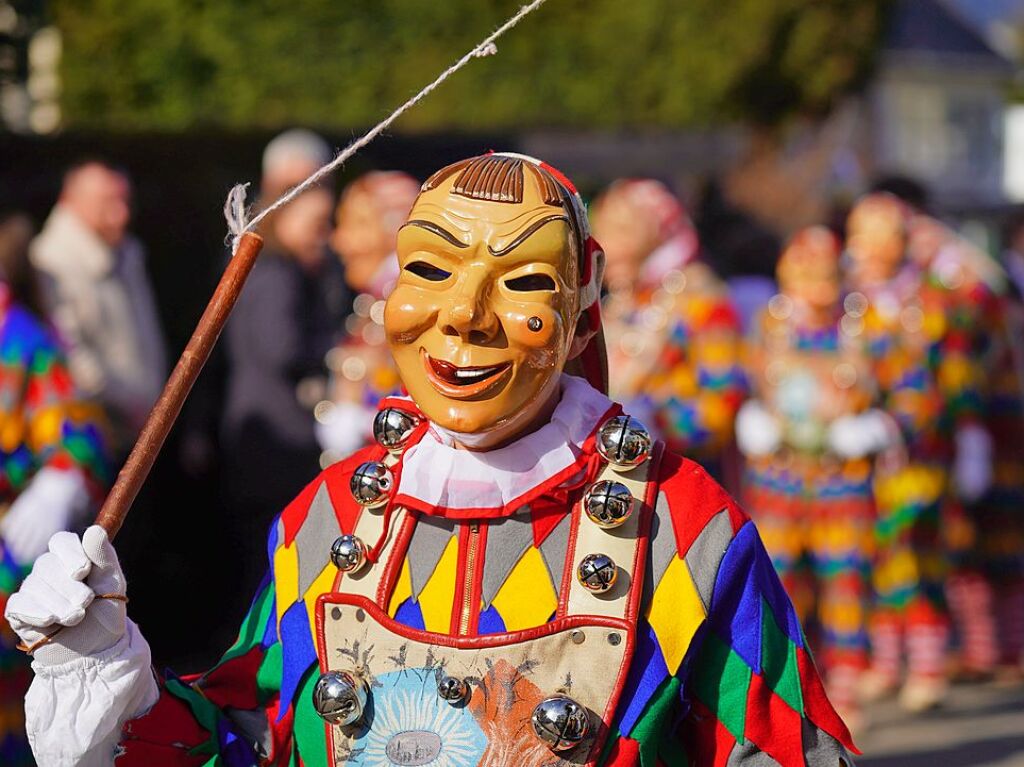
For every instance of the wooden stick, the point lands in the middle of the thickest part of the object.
(165, 412)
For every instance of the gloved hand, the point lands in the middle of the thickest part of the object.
(758, 432)
(856, 436)
(63, 590)
(972, 466)
(54, 500)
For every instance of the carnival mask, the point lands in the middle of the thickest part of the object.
(808, 270)
(484, 315)
(876, 238)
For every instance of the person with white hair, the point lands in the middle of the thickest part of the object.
(290, 158)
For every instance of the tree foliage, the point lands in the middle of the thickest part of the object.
(179, 64)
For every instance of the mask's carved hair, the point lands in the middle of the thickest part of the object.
(500, 178)
(496, 178)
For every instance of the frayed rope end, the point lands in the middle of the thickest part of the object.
(235, 215)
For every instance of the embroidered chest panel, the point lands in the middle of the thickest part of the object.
(407, 722)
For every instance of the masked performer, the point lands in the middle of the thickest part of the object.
(923, 336)
(52, 465)
(809, 437)
(982, 521)
(370, 213)
(673, 336)
(518, 574)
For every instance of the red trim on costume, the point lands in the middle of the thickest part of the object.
(393, 566)
(643, 531)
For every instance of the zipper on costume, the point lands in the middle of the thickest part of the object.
(469, 579)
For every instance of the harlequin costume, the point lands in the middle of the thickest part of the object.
(569, 593)
(923, 337)
(371, 210)
(673, 335)
(52, 464)
(810, 435)
(985, 533)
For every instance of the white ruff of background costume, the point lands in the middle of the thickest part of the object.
(235, 205)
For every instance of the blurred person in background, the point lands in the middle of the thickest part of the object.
(98, 294)
(53, 466)
(369, 215)
(810, 433)
(672, 333)
(985, 533)
(289, 159)
(275, 343)
(982, 508)
(922, 331)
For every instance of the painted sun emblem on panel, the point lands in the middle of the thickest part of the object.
(413, 727)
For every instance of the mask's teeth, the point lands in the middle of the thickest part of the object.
(474, 373)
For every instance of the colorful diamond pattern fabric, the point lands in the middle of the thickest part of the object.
(719, 676)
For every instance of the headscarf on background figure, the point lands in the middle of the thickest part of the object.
(672, 333)
(53, 465)
(371, 211)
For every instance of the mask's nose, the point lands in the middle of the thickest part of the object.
(468, 313)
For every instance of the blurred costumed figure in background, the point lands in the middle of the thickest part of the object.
(922, 332)
(672, 333)
(982, 518)
(810, 433)
(371, 211)
(52, 459)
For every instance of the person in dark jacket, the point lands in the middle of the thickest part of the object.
(275, 344)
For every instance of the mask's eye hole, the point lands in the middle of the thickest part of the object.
(530, 282)
(427, 271)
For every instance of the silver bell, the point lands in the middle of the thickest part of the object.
(452, 689)
(608, 503)
(339, 697)
(371, 484)
(597, 573)
(624, 441)
(393, 427)
(560, 722)
(348, 553)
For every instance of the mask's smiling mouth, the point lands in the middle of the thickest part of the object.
(463, 382)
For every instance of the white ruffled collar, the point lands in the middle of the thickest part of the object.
(437, 478)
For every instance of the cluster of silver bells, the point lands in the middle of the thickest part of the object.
(622, 441)
(340, 698)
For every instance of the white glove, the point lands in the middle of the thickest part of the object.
(855, 436)
(344, 428)
(55, 500)
(62, 590)
(758, 432)
(972, 467)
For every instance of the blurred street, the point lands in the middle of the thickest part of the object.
(980, 726)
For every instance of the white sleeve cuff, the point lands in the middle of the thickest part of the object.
(74, 711)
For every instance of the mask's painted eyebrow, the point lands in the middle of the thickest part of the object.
(523, 236)
(441, 232)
